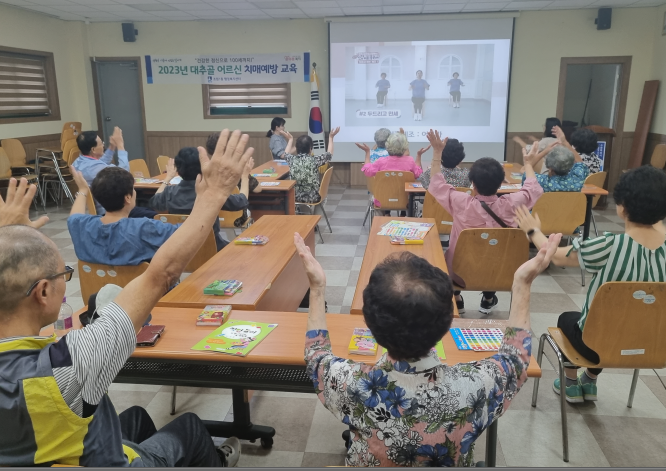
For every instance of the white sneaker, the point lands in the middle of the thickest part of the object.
(420, 116)
(231, 449)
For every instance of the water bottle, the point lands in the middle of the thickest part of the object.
(64, 322)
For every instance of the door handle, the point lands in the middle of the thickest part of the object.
(108, 118)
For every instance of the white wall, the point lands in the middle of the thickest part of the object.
(180, 107)
(26, 30)
(659, 72)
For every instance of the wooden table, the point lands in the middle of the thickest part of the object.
(590, 191)
(273, 276)
(275, 364)
(281, 170)
(150, 187)
(280, 199)
(379, 247)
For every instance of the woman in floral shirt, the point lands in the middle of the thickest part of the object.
(452, 155)
(409, 409)
(304, 167)
(585, 142)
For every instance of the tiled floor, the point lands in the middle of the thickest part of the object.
(606, 433)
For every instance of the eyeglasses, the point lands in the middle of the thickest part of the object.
(69, 271)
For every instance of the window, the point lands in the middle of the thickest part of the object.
(247, 100)
(28, 89)
(448, 66)
(391, 67)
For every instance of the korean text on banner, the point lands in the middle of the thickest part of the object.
(233, 69)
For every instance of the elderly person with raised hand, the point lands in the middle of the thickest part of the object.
(566, 170)
(398, 159)
(409, 409)
(585, 142)
(637, 255)
(452, 154)
(53, 394)
(381, 135)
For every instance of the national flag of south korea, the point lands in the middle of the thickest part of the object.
(315, 125)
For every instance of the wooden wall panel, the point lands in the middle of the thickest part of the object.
(32, 143)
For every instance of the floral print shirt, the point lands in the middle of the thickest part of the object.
(378, 153)
(592, 161)
(457, 176)
(573, 181)
(419, 412)
(304, 168)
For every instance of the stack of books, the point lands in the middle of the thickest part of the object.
(223, 287)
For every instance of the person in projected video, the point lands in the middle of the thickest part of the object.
(382, 86)
(418, 88)
(454, 89)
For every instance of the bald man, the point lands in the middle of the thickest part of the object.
(53, 402)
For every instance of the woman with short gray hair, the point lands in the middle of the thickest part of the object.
(381, 135)
(566, 170)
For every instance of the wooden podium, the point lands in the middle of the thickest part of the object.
(606, 135)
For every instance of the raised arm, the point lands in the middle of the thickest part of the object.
(531, 225)
(171, 173)
(331, 135)
(365, 148)
(420, 153)
(290, 148)
(79, 206)
(317, 279)
(220, 175)
(438, 144)
(16, 210)
(245, 178)
(562, 140)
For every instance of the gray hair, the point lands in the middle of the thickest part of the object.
(560, 160)
(543, 143)
(397, 144)
(26, 256)
(381, 135)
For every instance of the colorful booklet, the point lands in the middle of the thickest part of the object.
(259, 175)
(438, 348)
(147, 180)
(479, 340)
(417, 185)
(235, 337)
(268, 170)
(270, 184)
(214, 314)
(362, 342)
(223, 287)
(256, 240)
(395, 240)
(406, 229)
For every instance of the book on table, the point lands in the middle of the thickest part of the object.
(256, 240)
(406, 229)
(364, 343)
(235, 337)
(214, 315)
(223, 287)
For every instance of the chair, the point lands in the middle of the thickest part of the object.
(389, 190)
(67, 149)
(72, 125)
(17, 156)
(658, 158)
(67, 135)
(94, 276)
(90, 204)
(207, 250)
(139, 166)
(162, 162)
(487, 258)
(596, 179)
(369, 181)
(74, 154)
(323, 168)
(625, 327)
(562, 212)
(323, 195)
(432, 209)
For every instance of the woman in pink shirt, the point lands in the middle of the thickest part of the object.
(486, 176)
(397, 146)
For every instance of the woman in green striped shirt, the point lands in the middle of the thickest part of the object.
(637, 255)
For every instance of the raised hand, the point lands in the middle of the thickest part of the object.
(333, 132)
(286, 134)
(363, 146)
(529, 158)
(312, 267)
(81, 182)
(529, 270)
(559, 134)
(248, 167)
(526, 220)
(17, 208)
(436, 141)
(118, 140)
(423, 150)
(220, 173)
(171, 171)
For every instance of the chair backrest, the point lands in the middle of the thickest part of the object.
(74, 154)
(389, 188)
(66, 136)
(227, 218)
(324, 168)
(487, 258)
(5, 165)
(139, 166)
(432, 209)
(67, 148)
(207, 250)
(597, 179)
(626, 325)
(560, 211)
(94, 276)
(75, 125)
(370, 181)
(162, 162)
(90, 204)
(658, 158)
(15, 151)
(325, 182)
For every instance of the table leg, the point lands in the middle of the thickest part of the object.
(410, 208)
(491, 445)
(588, 217)
(241, 427)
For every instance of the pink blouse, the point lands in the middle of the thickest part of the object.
(393, 163)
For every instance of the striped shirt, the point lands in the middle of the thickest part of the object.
(617, 257)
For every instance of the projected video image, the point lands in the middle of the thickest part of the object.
(418, 84)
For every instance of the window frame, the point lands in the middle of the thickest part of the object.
(450, 66)
(206, 105)
(391, 58)
(51, 86)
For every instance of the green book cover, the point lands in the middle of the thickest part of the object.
(235, 337)
(439, 348)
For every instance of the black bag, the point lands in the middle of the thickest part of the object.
(493, 215)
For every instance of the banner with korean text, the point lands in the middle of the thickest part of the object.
(234, 68)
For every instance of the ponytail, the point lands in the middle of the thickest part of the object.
(269, 133)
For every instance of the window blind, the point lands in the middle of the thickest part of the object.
(23, 88)
(248, 99)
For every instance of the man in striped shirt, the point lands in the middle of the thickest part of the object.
(637, 255)
(53, 400)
